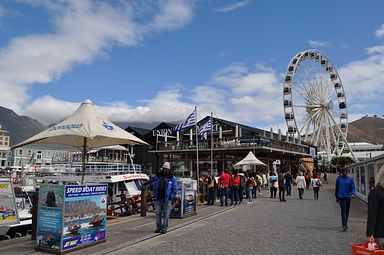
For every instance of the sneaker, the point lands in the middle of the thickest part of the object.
(163, 231)
(345, 228)
(157, 230)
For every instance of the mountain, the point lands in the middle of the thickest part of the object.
(19, 127)
(366, 129)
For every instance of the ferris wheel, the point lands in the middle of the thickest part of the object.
(315, 105)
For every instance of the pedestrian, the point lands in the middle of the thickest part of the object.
(300, 182)
(235, 184)
(242, 188)
(165, 190)
(250, 184)
(281, 182)
(211, 190)
(371, 183)
(307, 179)
(288, 182)
(375, 221)
(345, 189)
(224, 180)
(325, 177)
(316, 183)
(259, 183)
(273, 185)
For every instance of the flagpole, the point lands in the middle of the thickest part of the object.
(212, 144)
(197, 151)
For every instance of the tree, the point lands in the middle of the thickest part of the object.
(342, 161)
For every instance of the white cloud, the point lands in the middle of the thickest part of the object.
(317, 44)
(380, 32)
(233, 7)
(82, 31)
(375, 50)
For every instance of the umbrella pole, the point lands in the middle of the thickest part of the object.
(83, 159)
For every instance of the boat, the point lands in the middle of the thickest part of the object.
(73, 228)
(96, 221)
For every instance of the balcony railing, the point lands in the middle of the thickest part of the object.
(232, 143)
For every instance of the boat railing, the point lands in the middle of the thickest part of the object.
(90, 169)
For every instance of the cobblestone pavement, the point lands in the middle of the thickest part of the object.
(267, 226)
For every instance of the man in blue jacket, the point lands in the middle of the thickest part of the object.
(164, 189)
(344, 191)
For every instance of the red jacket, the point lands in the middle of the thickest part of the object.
(224, 179)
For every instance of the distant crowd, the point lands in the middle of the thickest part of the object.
(232, 187)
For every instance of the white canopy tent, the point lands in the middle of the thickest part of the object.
(250, 159)
(85, 129)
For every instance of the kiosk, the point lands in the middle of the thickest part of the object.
(71, 217)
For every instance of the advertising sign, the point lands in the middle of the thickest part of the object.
(71, 217)
(85, 217)
(186, 199)
(50, 217)
(8, 210)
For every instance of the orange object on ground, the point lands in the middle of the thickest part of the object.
(362, 249)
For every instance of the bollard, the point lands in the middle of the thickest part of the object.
(35, 202)
(143, 209)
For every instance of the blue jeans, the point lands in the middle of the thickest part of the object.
(249, 192)
(288, 188)
(211, 196)
(316, 192)
(163, 210)
(224, 193)
(345, 204)
(234, 194)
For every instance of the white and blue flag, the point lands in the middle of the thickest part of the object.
(205, 129)
(188, 123)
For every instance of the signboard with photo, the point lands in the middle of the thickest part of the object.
(71, 217)
(85, 216)
(50, 217)
(8, 210)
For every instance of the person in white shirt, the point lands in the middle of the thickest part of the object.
(316, 183)
(300, 182)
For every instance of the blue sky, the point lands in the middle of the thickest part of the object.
(155, 60)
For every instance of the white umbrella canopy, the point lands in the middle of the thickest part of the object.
(84, 129)
(250, 159)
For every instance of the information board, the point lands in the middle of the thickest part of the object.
(8, 210)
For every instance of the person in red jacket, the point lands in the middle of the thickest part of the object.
(235, 184)
(224, 180)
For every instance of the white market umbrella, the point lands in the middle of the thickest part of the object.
(250, 159)
(85, 129)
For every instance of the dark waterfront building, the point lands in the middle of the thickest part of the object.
(230, 142)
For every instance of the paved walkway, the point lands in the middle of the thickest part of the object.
(265, 227)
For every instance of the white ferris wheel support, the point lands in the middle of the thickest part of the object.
(315, 105)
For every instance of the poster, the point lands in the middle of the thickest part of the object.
(84, 215)
(50, 217)
(186, 199)
(8, 210)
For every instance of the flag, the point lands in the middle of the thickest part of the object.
(188, 123)
(205, 128)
